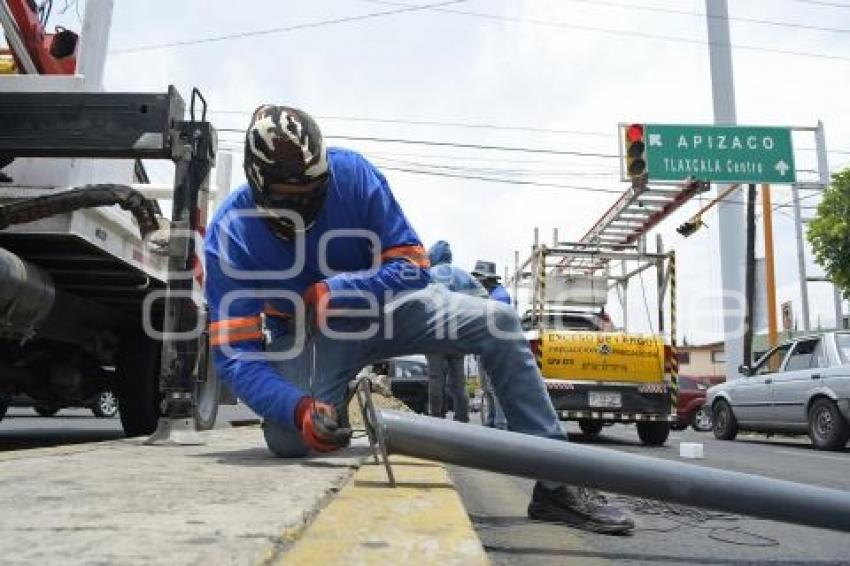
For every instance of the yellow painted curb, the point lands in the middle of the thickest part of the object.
(421, 521)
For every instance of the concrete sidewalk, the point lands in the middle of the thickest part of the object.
(120, 502)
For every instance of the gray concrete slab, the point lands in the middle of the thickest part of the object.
(119, 502)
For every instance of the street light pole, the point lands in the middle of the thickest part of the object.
(750, 275)
(729, 213)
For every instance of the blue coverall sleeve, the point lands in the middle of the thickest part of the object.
(501, 295)
(236, 339)
(404, 261)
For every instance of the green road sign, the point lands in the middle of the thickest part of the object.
(734, 154)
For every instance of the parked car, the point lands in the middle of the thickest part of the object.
(799, 387)
(690, 409)
(103, 405)
(408, 380)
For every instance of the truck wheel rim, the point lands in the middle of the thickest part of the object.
(107, 403)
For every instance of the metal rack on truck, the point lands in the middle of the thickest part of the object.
(595, 376)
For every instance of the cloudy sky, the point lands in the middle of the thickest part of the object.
(553, 75)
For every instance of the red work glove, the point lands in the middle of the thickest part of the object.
(319, 426)
(316, 300)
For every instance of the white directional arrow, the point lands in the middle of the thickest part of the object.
(782, 167)
(655, 140)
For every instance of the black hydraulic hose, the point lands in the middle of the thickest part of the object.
(87, 196)
(630, 474)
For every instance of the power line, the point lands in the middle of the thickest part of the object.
(474, 177)
(535, 129)
(500, 170)
(463, 145)
(786, 204)
(498, 180)
(237, 146)
(822, 3)
(436, 8)
(621, 33)
(441, 123)
(233, 145)
(790, 202)
(242, 35)
(465, 159)
(704, 15)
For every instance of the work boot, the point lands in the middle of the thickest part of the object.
(578, 507)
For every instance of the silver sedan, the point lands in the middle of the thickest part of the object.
(799, 387)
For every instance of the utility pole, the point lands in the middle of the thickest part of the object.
(823, 168)
(769, 266)
(751, 275)
(729, 214)
(801, 259)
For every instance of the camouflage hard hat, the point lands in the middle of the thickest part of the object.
(283, 145)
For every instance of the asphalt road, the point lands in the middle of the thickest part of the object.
(22, 428)
(665, 534)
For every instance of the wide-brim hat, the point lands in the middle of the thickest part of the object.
(485, 270)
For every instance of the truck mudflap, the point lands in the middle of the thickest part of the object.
(621, 402)
(614, 417)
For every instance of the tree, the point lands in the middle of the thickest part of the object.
(829, 232)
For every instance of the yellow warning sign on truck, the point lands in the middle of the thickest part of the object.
(602, 356)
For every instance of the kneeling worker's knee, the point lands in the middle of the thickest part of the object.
(284, 442)
(503, 320)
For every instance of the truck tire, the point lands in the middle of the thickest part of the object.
(724, 424)
(206, 395)
(4, 406)
(653, 433)
(137, 384)
(46, 410)
(827, 428)
(590, 428)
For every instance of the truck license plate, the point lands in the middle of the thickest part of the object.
(604, 399)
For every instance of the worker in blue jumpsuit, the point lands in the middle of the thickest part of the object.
(315, 250)
(491, 412)
(447, 369)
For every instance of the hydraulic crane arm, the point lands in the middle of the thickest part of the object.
(51, 53)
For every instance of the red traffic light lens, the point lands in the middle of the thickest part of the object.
(634, 133)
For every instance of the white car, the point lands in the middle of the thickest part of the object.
(799, 387)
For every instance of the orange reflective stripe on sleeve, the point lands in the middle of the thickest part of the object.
(235, 337)
(241, 322)
(236, 330)
(414, 254)
(271, 311)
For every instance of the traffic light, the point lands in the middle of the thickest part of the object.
(635, 151)
(691, 226)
